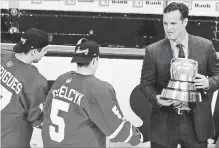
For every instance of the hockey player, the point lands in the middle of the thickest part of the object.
(81, 110)
(23, 89)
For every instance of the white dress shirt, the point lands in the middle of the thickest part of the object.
(185, 47)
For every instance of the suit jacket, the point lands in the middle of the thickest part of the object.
(216, 117)
(155, 76)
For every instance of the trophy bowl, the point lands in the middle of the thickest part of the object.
(181, 87)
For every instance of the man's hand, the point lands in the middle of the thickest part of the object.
(201, 82)
(177, 103)
(164, 102)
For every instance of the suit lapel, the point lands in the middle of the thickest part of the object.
(191, 46)
(166, 50)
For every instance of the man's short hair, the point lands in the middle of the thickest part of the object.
(32, 39)
(85, 51)
(183, 9)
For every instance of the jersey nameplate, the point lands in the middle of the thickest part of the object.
(10, 80)
(68, 94)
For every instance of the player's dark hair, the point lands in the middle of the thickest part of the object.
(183, 9)
(25, 50)
(86, 64)
(21, 50)
(83, 64)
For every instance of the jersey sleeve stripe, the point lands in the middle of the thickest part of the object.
(113, 135)
(130, 135)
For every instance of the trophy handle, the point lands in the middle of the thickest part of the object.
(172, 60)
(171, 68)
(196, 65)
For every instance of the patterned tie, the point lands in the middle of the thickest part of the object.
(181, 52)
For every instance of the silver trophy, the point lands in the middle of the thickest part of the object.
(181, 86)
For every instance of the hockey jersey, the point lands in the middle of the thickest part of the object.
(23, 89)
(81, 111)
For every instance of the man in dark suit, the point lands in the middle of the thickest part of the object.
(169, 125)
(216, 120)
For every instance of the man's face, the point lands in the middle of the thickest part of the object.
(39, 54)
(174, 27)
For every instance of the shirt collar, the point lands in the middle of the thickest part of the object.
(184, 42)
